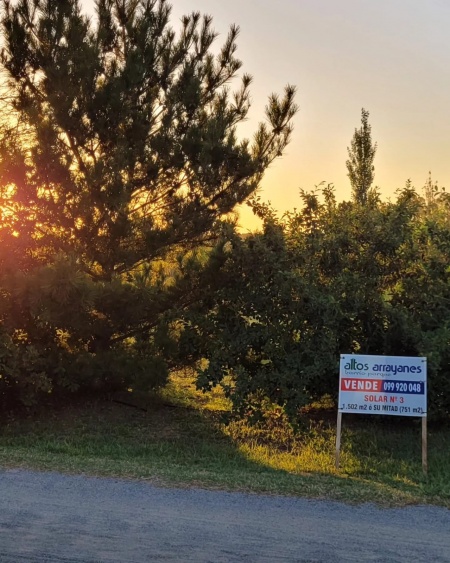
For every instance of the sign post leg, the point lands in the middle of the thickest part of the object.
(424, 446)
(338, 438)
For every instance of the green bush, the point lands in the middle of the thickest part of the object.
(326, 280)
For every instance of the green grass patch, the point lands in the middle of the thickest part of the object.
(181, 439)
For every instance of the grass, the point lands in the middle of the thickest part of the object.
(181, 439)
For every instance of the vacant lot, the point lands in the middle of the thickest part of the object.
(181, 438)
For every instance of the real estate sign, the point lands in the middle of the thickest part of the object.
(395, 385)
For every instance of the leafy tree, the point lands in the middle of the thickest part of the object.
(119, 150)
(325, 280)
(265, 330)
(360, 163)
(422, 299)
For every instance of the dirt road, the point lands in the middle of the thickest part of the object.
(54, 518)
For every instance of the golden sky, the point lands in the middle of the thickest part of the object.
(391, 57)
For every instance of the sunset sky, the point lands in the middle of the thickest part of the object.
(391, 57)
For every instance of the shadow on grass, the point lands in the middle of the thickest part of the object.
(174, 444)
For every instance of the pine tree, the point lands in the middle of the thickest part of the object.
(131, 128)
(119, 147)
(360, 164)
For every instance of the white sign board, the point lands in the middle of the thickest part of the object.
(394, 385)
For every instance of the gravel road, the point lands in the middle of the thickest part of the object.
(76, 519)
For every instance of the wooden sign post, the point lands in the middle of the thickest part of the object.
(424, 445)
(338, 438)
(392, 385)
